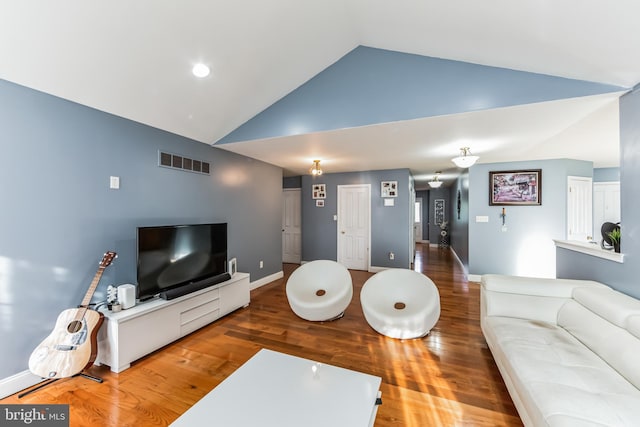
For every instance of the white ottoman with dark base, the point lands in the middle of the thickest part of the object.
(400, 303)
(319, 290)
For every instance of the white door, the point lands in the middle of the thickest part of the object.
(354, 217)
(606, 205)
(417, 221)
(579, 208)
(291, 226)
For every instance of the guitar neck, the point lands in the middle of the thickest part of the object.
(106, 261)
(92, 288)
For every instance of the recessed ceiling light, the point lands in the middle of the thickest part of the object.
(200, 70)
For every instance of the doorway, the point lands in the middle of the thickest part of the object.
(417, 220)
(291, 226)
(579, 208)
(354, 231)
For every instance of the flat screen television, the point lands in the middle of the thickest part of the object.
(170, 257)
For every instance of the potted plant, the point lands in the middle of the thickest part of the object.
(614, 235)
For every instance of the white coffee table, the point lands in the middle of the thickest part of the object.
(279, 390)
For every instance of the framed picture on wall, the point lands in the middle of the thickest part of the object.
(439, 211)
(319, 191)
(389, 189)
(519, 187)
(320, 203)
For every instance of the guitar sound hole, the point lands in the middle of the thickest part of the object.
(74, 326)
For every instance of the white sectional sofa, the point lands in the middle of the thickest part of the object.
(568, 350)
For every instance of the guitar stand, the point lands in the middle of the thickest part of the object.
(51, 381)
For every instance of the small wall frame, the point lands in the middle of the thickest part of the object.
(389, 189)
(319, 191)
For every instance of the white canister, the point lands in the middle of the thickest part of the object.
(127, 296)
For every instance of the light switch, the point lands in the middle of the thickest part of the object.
(482, 218)
(114, 182)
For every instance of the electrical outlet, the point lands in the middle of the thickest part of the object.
(261, 264)
(392, 255)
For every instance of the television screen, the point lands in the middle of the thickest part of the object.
(177, 255)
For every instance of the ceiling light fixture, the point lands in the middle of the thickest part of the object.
(315, 169)
(435, 182)
(200, 70)
(465, 160)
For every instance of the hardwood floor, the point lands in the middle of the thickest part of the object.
(448, 378)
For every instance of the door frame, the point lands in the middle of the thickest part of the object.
(368, 242)
(297, 191)
(581, 208)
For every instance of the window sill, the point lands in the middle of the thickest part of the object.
(592, 249)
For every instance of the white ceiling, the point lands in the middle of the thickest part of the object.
(133, 59)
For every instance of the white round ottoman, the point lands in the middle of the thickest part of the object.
(400, 303)
(319, 290)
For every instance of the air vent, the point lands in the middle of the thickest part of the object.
(176, 161)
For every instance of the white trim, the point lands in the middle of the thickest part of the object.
(374, 269)
(266, 280)
(17, 382)
(474, 277)
(464, 268)
(592, 249)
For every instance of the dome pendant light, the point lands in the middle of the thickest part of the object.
(465, 159)
(435, 182)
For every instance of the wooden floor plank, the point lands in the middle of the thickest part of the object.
(448, 378)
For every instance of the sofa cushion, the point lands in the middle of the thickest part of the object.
(614, 344)
(562, 288)
(561, 380)
(611, 305)
(633, 325)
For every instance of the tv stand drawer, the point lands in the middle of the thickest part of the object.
(199, 316)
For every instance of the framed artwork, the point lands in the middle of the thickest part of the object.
(439, 211)
(319, 191)
(520, 187)
(389, 189)
(320, 203)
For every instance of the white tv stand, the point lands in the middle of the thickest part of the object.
(128, 335)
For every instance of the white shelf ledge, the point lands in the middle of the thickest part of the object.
(592, 249)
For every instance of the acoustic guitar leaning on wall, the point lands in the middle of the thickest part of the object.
(72, 345)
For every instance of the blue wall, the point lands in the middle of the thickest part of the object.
(623, 277)
(369, 86)
(390, 226)
(59, 216)
(606, 175)
(459, 224)
(291, 182)
(527, 247)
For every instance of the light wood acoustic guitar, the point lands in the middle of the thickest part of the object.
(72, 345)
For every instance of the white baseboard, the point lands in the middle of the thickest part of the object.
(374, 269)
(17, 382)
(474, 277)
(266, 280)
(464, 268)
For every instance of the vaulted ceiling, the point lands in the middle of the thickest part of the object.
(134, 58)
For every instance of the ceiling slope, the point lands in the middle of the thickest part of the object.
(372, 86)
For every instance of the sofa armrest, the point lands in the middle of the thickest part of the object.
(527, 297)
